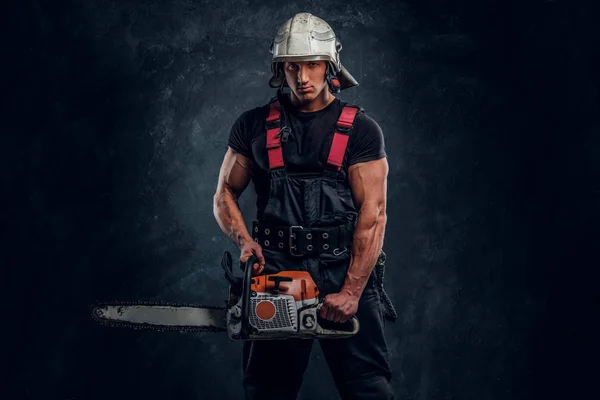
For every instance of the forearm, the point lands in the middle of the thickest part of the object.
(230, 218)
(367, 244)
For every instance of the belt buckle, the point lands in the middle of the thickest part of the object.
(291, 237)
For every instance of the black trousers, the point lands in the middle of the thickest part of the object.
(274, 369)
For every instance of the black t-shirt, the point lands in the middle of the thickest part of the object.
(307, 148)
(308, 144)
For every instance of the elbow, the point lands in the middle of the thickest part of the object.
(217, 203)
(381, 218)
(222, 198)
(373, 216)
(215, 207)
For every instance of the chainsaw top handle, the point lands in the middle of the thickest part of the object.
(246, 295)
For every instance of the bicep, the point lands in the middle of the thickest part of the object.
(235, 173)
(368, 183)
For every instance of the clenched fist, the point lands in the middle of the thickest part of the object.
(339, 307)
(252, 248)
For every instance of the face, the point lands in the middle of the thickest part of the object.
(306, 79)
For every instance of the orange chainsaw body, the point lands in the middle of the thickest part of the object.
(302, 286)
(281, 306)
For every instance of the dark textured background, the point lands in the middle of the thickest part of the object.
(115, 120)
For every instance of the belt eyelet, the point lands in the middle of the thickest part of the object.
(309, 247)
(280, 233)
(267, 231)
(267, 243)
(325, 235)
(325, 246)
(309, 236)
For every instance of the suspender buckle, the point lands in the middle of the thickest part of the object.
(344, 129)
(292, 236)
(284, 133)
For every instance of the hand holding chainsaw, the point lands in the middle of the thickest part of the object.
(251, 248)
(339, 307)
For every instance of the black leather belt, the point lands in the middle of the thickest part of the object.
(299, 241)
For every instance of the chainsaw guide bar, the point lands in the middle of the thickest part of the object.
(161, 316)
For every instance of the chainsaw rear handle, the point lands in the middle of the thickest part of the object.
(352, 326)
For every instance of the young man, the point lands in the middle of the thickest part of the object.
(319, 170)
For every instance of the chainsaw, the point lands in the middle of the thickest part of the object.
(258, 307)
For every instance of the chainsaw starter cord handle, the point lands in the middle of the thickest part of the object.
(278, 280)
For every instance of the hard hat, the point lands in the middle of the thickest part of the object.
(306, 37)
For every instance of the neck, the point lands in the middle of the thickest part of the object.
(318, 103)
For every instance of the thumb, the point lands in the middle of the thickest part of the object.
(245, 255)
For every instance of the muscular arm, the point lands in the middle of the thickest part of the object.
(234, 176)
(368, 182)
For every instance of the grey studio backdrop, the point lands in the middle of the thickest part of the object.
(134, 104)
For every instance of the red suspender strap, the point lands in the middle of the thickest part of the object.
(273, 140)
(341, 136)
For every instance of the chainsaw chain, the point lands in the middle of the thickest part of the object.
(153, 327)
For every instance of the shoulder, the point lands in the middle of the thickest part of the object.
(250, 122)
(248, 125)
(365, 122)
(366, 141)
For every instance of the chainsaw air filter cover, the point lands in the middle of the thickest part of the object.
(277, 300)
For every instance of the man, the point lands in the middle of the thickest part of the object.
(319, 169)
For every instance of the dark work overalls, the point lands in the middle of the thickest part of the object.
(308, 225)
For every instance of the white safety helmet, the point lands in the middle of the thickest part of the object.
(306, 37)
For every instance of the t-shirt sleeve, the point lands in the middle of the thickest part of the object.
(366, 141)
(240, 136)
